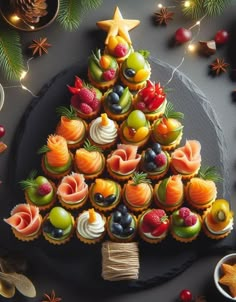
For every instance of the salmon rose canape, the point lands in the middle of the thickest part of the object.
(122, 162)
(25, 221)
(72, 191)
(186, 160)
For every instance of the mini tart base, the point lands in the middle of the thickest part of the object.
(45, 206)
(92, 175)
(81, 140)
(73, 206)
(64, 240)
(184, 176)
(195, 205)
(208, 233)
(171, 146)
(105, 208)
(32, 237)
(119, 117)
(88, 116)
(168, 208)
(117, 176)
(145, 238)
(140, 208)
(152, 116)
(104, 146)
(141, 143)
(56, 175)
(185, 240)
(120, 239)
(158, 175)
(102, 85)
(91, 241)
(132, 86)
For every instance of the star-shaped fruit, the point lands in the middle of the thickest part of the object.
(118, 26)
(229, 277)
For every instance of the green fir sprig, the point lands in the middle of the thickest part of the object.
(200, 8)
(11, 58)
(70, 112)
(210, 173)
(71, 12)
(171, 113)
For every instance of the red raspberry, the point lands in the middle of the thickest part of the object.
(153, 218)
(141, 106)
(44, 189)
(95, 104)
(109, 74)
(190, 220)
(184, 212)
(120, 50)
(160, 159)
(75, 101)
(86, 95)
(85, 108)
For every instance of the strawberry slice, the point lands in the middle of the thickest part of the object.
(162, 228)
(146, 228)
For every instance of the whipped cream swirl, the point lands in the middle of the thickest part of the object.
(90, 230)
(101, 134)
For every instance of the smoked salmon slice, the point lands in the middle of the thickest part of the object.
(187, 159)
(25, 219)
(70, 129)
(58, 155)
(73, 188)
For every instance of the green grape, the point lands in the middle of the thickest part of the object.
(60, 218)
(135, 61)
(136, 119)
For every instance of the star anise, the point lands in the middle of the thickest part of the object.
(51, 297)
(219, 66)
(40, 46)
(163, 16)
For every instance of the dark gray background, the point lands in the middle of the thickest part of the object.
(67, 48)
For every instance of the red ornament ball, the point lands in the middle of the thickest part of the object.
(2, 131)
(221, 37)
(183, 35)
(185, 296)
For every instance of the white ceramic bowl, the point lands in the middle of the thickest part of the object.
(2, 96)
(230, 259)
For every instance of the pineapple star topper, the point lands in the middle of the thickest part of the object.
(118, 26)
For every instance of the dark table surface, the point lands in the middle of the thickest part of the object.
(70, 47)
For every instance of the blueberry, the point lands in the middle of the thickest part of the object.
(116, 108)
(156, 148)
(98, 197)
(126, 220)
(128, 231)
(113, 98)
(117, 216)
(116, 228)
(150, 166)
(118, 89)
(149, 155)
(123, 209)
(129, 72)
(57, 233)
(110, 199)
(47, 226)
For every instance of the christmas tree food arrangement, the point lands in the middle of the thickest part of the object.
(133, 193)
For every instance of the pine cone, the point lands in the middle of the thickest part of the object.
(30, 10)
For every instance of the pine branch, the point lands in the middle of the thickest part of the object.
(200, 8)
(71, 12)
(11, 58)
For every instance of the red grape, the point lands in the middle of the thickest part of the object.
(185, 296)
(2, 131)
(221, 37)
(183, 35)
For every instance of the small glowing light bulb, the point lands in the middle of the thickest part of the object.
(23, 74)
(15, 18)
(198, 22)
(32, 27)
(160, 5)
(187, 4)
(191, 47)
